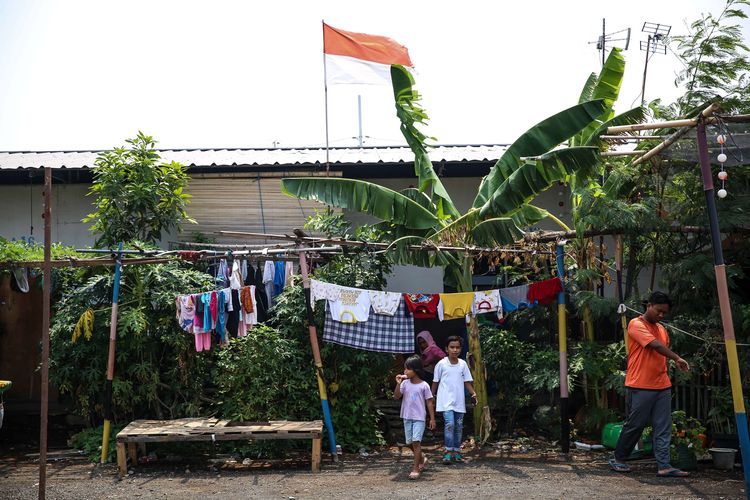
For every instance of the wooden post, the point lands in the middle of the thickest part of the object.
(317, 443)
(620, 298)
(724, 304)
(122, 464)
(46, 311)
(133, 453)
(312, 330)
(111, 359)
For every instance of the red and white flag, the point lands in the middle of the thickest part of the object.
(360, 58)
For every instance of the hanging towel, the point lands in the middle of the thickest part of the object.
(186, 312)
(261, 298)
(514, 298)
(544, 292)
(423, 306)
(221, 315)
(243, 270)
(269, 272)
(279, 277)
(222, 274)
(246, 298)
(385, 302)
(235, 278)
(352, 306)
(455, 305)
(380, 333)
(233, 321)
(487, 301)
(250, 318)
(288, 273)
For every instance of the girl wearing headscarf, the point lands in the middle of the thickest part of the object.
(431, 353)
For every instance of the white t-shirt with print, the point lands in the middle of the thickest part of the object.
(353, 305)
(451, 378)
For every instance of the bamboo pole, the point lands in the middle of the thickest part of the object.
(725, 305)
(81, 263)
(312, 331)
(46, 313)
(688, 122)
(622, 153)
(632, 137)
(562, 334)
(620, 298)
(364, 244)
(111, 358)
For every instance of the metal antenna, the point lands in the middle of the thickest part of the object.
(657, 33)
(606, 40)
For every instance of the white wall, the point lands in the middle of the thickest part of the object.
(21, 207)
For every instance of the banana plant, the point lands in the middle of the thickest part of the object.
(427, 215)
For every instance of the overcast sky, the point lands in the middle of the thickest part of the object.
(216, 74)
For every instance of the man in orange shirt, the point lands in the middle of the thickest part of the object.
(648, 390)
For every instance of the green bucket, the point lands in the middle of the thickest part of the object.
(611, 433)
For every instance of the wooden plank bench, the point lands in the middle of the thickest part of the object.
(140, 432)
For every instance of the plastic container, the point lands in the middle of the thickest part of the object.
(611, 433)
(723, 458)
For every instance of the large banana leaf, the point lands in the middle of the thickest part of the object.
(607, 87)
(496, 232)
(528, 214)
(538, 140)
(588, 88)
(533, 177)
(410, 114)
(361, 196)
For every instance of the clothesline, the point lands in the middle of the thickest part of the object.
(672, 327)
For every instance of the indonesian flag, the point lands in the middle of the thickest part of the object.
(361, 58)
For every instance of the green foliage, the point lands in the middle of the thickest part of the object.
(137, 196)
(19, 251)
(715, 57)
(502, 352)
(267, 377)
(90, 442)
(158, 373)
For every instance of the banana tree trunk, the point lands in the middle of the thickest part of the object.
(482, 422)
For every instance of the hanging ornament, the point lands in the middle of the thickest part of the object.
(722, 158)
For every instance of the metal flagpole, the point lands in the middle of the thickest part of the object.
(724, 304)
(325, 89)
(46, 312)
(312, 330)
(111, 358)
(562, 333)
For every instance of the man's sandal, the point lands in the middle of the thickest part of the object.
(618, 466)
(414, 475)
(673, 473)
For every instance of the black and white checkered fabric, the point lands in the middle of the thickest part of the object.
(379, 333)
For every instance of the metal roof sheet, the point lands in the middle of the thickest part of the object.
(260, 157)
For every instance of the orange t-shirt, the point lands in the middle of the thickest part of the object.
(647, 369)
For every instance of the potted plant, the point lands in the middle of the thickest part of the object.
(687, 444)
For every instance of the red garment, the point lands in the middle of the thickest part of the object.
(190, 255)
(422, 305)
(544, 292)
(214, 306)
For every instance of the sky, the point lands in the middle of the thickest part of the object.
(80, 75)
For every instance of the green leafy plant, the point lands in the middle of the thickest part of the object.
(137, 196)
(89, 441)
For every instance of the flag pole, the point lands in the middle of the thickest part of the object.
(325, 91)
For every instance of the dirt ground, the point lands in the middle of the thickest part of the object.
(383, 474)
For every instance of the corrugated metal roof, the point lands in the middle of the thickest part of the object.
(260, 157)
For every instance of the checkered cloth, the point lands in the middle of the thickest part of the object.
(379, 333)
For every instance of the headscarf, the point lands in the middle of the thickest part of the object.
(432, 353)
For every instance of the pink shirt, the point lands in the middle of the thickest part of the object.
(413, 399)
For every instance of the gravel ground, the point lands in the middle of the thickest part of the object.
(383, 475)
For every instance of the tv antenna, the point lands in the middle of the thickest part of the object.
(655, 44)
(606, 40)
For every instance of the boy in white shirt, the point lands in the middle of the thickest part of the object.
(451, 377)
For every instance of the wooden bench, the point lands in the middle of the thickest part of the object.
(140, 432)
